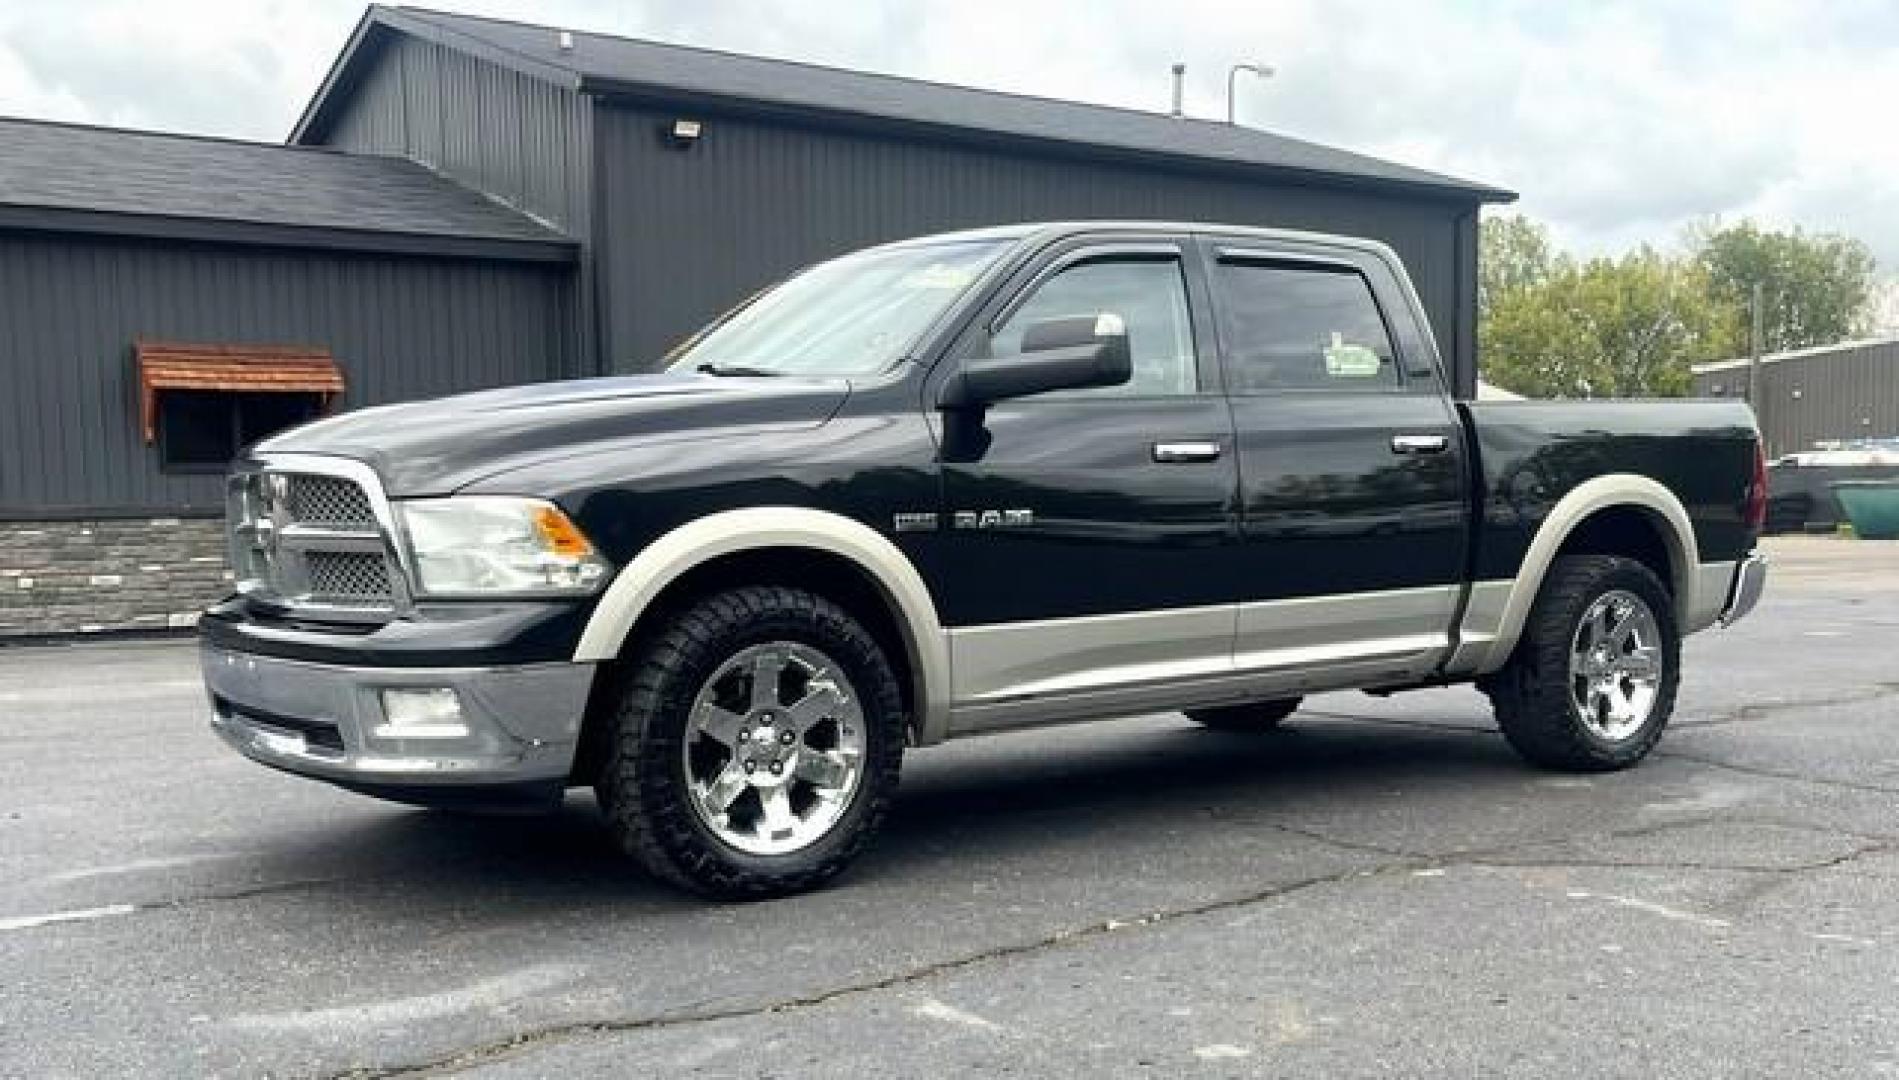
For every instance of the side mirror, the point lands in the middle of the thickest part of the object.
(1074, 353)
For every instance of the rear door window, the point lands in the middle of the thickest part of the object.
(1289, 327)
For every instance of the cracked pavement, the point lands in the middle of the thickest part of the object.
(1380, 889)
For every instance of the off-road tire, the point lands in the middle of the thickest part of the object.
(1531, 696)
(1250, 718)
(642, 781)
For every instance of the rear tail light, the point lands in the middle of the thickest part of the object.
(1755, 514)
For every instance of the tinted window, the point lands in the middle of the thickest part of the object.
(195, 428)
(262, 415)
(1150, 296)
(1301, 328)
(204, 429)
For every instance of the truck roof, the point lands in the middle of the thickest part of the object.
(1050, 230)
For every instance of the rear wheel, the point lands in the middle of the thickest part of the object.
(1254, 716)
(1592, 683)
(755, 745)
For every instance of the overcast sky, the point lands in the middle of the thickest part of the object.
(1618, 122)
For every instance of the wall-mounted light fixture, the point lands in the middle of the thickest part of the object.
(682, 134)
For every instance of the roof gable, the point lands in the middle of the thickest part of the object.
(610, 65)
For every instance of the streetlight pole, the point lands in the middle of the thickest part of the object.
(1264, 71)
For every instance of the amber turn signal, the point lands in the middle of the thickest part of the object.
(560, 535)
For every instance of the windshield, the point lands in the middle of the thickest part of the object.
(851, 316)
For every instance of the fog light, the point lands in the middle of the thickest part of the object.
(431, 713)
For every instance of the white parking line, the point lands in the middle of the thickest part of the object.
(950, 1014)
(350, 1019)
(135, 866)
(99, 693)
(1653, 908)
(28, 922)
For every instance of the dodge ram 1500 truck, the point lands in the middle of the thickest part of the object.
(957, 485)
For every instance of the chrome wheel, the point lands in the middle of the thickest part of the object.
(774, 748)
(1615, 665)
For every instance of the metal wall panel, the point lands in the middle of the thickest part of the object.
(1844, 393)
(402, 327)
(518, 139)
(685, 233)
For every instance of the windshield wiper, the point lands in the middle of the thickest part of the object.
(736, 369)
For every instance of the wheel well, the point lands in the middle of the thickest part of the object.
(831, 576)
(1628, 531)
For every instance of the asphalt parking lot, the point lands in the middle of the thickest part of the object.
(1379, 889)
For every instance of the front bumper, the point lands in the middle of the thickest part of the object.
(1750, 580)
(518, 728)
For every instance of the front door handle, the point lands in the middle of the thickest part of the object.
(1180, 453)
(1420, 444)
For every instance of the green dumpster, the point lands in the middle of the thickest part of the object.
(1871, 505)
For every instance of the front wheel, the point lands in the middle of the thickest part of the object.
(755, 745)
(1592, 682)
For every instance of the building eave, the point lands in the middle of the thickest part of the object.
(106, 223)
(651, 95)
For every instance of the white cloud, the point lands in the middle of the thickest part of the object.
(1619, 122)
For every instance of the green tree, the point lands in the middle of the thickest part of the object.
(1513, 252)
(1816, 289)
(1605, 328)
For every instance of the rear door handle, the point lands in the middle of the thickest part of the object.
(1180, 453)
(1420, 444)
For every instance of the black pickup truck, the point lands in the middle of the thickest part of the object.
(957, 485)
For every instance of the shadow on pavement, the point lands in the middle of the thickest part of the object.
(982, 805)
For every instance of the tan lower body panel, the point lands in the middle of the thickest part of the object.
(1021, 674)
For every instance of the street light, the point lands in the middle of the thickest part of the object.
(1264, 71)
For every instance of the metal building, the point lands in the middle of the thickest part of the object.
(468, 202)
(1824, 395)
(692, 177)
(164, 298)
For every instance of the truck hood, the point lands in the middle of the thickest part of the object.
(437, 447)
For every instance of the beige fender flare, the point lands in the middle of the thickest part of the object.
(663, 561)
(1489, 632)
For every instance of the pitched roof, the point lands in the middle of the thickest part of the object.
(605, 64)
(93, 179)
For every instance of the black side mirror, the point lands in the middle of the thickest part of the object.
(1074, 353)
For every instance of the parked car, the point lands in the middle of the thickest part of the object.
(1801, 495)
(959, 485)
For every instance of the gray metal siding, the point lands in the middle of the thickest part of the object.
(1849, 393)
(687, 233)
(402, 328)
(507, 135)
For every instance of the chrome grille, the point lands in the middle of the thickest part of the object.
(309, 541)
(329, 501)
(348, 578)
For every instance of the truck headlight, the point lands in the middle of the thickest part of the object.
(497, 545)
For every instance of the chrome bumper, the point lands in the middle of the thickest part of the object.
(1750, 580)
(518, 726)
